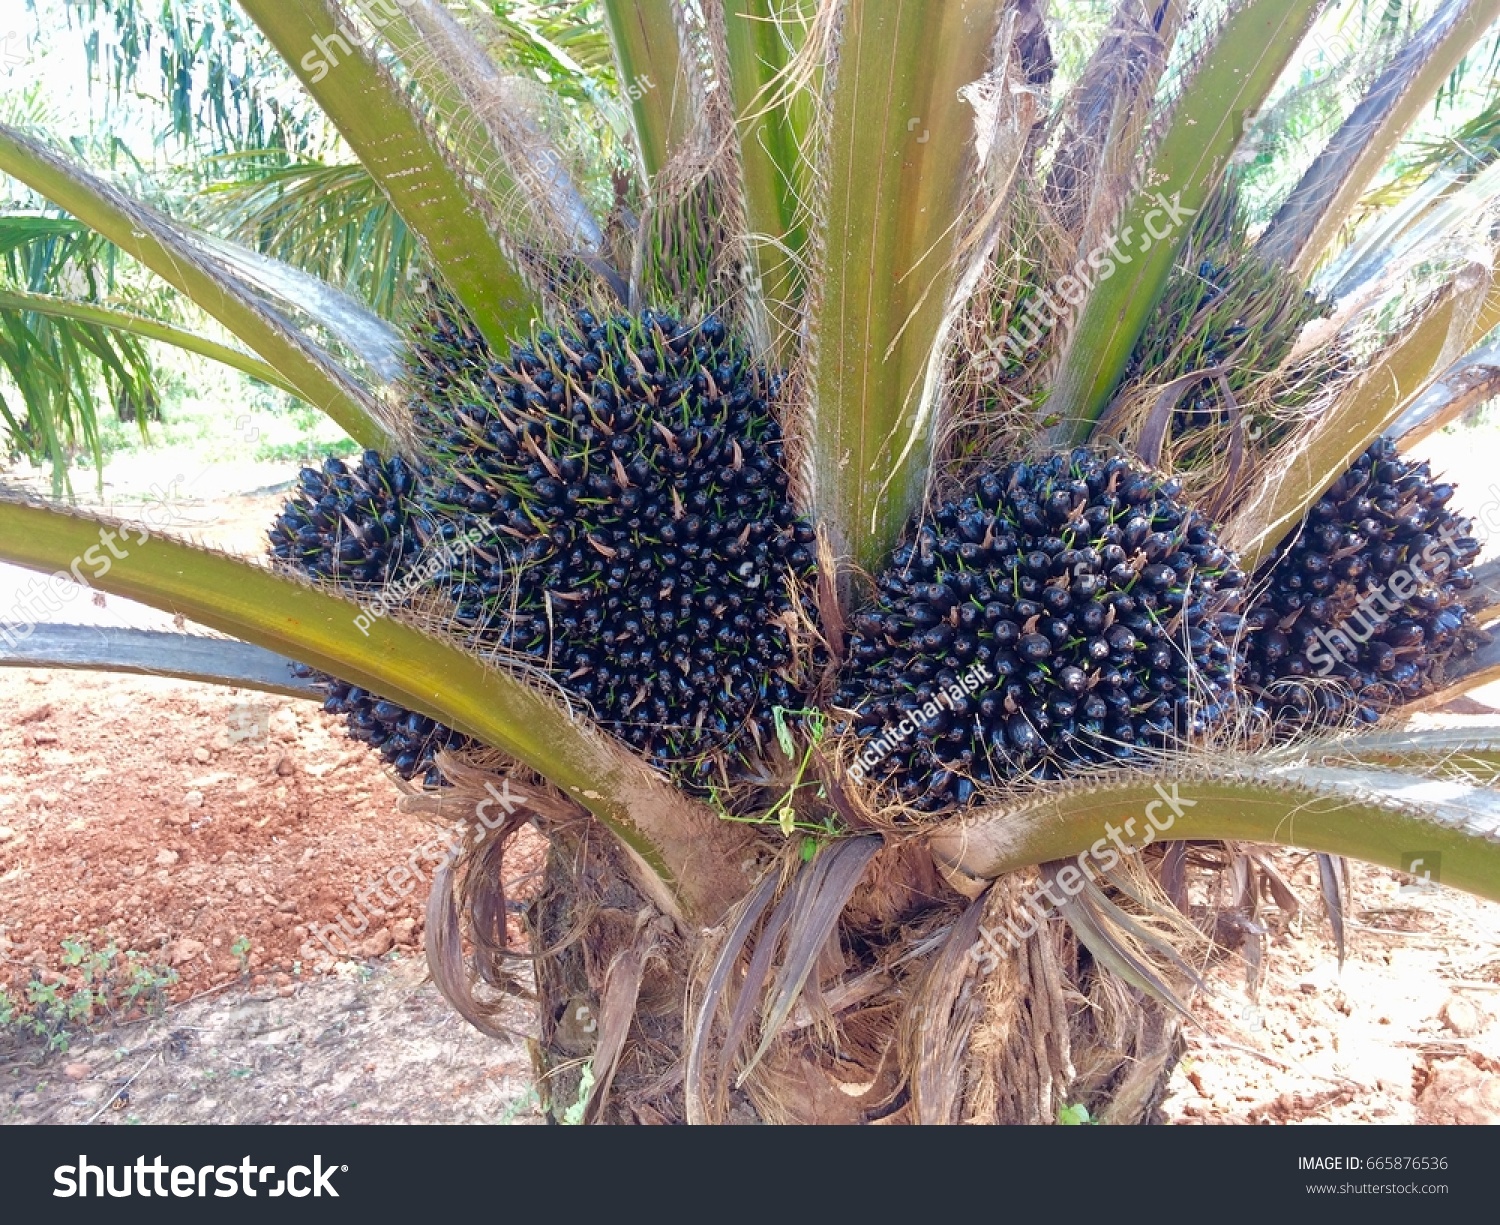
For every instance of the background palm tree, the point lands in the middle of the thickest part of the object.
(880, 200)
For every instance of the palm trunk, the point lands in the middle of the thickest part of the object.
(963, 1030)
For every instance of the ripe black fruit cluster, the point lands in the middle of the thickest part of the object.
(617, 512)
(1362, 609)
(407, 740)
(637, 537)
(1102, 609)
(356, 528)
(349, 526)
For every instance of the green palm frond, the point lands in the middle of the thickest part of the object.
(330, 220)
(1304, 798)
(1191, 155)
(59, 361)
(209, 81)
(1463, 153)
(58, 367)
(1312, 215)
(212, 275)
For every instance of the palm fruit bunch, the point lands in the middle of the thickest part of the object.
(1362, 609)
(349, 526)
(1062, 613)
(636, 537)
(357, 528)
(617, 517)
(407, 740)
(1225, 308)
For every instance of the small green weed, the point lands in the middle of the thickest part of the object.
(573, 1115)
(525, 1102)
(783, 813)
(107, 985)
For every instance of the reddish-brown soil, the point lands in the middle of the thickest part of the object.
(1404, 1032)
(154, 815)
(176, 819)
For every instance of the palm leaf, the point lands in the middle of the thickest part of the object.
(650, 66)
(773, 122)
(1468, 383)
(486, 118)
(893, 181)
(148, 329)
(389, 133)
(1107, 112)
(192, 657)
(331, 221)
(1296, 798)
(186, 263)
(1318, 206)
(208, 81)
(1421, 222)
(1231, 82)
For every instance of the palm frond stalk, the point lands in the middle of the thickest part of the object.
(776, 543)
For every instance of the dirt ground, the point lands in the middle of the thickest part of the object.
(371, 1044)
(148, 814)
(215, 832)
(1404, 1032)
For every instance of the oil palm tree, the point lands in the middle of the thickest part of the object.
(872, 307)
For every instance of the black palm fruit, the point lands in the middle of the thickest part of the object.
(356, 527)
(616, 510)
(349, 525)
(1367, 594)
(636, 535)
(408, 741)
(1089, 611)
